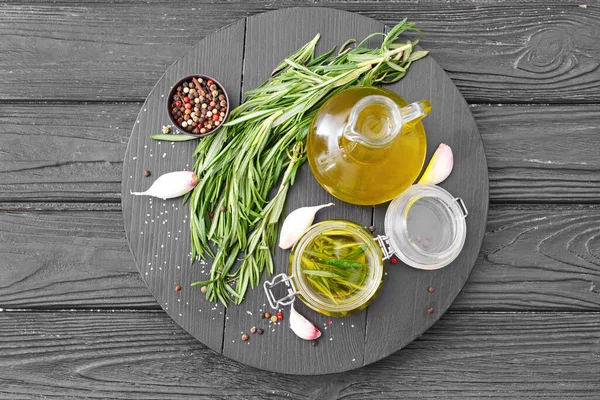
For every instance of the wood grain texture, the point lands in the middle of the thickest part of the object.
(158, 230)
(68, 260)
(51, 153)
(496, 52)
(341, 346)
(544, 259)
(145, 355)
(553, 150)
(533, 258)
(535, 153)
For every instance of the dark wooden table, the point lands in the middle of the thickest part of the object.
(76, 319)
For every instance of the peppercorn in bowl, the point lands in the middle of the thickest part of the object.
(198, 105)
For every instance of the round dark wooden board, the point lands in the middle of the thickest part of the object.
(241, 56)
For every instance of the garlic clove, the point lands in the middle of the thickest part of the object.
(171, 185)
(296, 223)
(302, 327)
(440, 166)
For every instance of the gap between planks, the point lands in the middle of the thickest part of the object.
(161, 311)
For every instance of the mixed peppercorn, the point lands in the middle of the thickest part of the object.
(199, 105)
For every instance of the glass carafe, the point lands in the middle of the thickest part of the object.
(366, 145)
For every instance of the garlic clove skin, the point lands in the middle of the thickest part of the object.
(440, 166)
(171, 185)
(296, 223)
(302, 327)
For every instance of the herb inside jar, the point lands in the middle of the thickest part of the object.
(336, 265)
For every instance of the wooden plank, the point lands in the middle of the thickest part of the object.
(494, 51)
(533, 258)
(405, 309)
(551, 150)
(67, 259)
(158, 230)
(340, 348)
(534, 153)
(147, 356)
(63, 152)
(537, 258)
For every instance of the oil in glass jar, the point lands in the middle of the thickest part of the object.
(337, 267)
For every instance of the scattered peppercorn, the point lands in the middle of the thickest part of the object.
(203, 289)
(253, 329)
(430, 310)
(273, 318)
(267, 315)
(279, 316)
(146, 173)
(372, 228)
(177, 288)
(329, 322)
(394, 260)
(430, 289)
(211, 215)
(223, 208)
(260, 331)
(315, 343)
(166, 129)
(245, 337)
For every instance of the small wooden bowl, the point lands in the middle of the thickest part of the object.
(173, 91)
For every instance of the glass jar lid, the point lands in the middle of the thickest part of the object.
(337, 267)
(426, 227)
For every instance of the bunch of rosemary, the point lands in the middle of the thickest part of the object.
(231, 213)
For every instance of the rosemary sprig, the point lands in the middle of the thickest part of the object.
(239, 165)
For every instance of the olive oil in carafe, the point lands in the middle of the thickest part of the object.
(368, 156)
